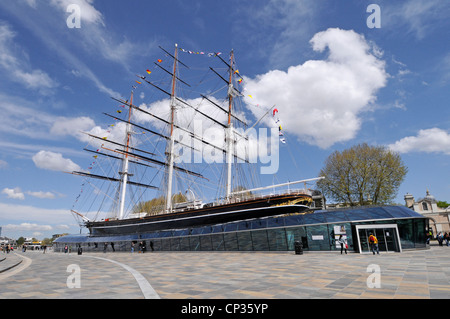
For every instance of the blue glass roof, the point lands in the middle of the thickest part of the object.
(344, 215)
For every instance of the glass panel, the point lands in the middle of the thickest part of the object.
(231, 243)
(165, 244)
(275, 222)
(420, 233)
(217, 242)
(296, 234)
(379, 233)
(314, 218)
(277, 239)
(194, 243)
(184, 243)
(205, 243)
(405, 229)
(357, 214)
(391, 239)
(260, 240)
(336, 230)
(175, 244)
(244, 241)
(318, 238)
(218, 229)
(364, 240)
(259, 223)
(293, 220)
(333, 217)
(156, 245)
(230, 227)
(244, 225)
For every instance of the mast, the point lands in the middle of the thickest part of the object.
(229, 131)
(170, 153)
(125, 161)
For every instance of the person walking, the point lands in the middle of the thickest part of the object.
(343, 243)
(373, 241)
(440, 238)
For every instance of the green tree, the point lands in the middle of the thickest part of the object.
(442, 204)
(362, 175)
(20, 241)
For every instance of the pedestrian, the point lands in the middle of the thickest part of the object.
(373, 242)
(343, 243)
(105, 246)
(66, 249)
(151, 245)
(112, 246)
(144, 246)
(440, 238)
(44, 248)
(446, 238)
(132, 247)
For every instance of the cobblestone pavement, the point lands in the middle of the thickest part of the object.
(421, 274)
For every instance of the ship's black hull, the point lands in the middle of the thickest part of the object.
(264, 207)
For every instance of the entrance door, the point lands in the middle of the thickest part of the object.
(387, 235)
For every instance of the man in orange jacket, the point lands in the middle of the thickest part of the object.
(373, 241)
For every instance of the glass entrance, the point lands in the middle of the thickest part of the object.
(387, 236)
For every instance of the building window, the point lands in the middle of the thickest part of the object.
(424, 206)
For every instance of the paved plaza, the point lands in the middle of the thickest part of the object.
(419, 274)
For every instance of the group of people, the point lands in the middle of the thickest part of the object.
(373, 243)
(142, 246)
(6, 248)
(441, 237)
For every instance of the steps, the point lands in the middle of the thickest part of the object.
(9, 261)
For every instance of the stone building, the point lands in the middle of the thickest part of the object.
(427, 206)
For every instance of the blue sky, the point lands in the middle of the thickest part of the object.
(336, 83)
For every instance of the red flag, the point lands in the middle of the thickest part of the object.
(275, 111)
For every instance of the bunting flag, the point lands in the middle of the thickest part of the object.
(159, 60)
(119, 111)
(280, 128)
(239, 81)
(138, 82)
(209, 54)
(148, 71)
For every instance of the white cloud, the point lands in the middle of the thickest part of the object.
(27, 227)
(43, 195)
(72, 126)
(321, 101)
(432, 140)
(30, 214)
(14, 193)
(88, 11)
(16, 64)
(54, 162)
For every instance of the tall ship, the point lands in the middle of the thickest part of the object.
(156, 163)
